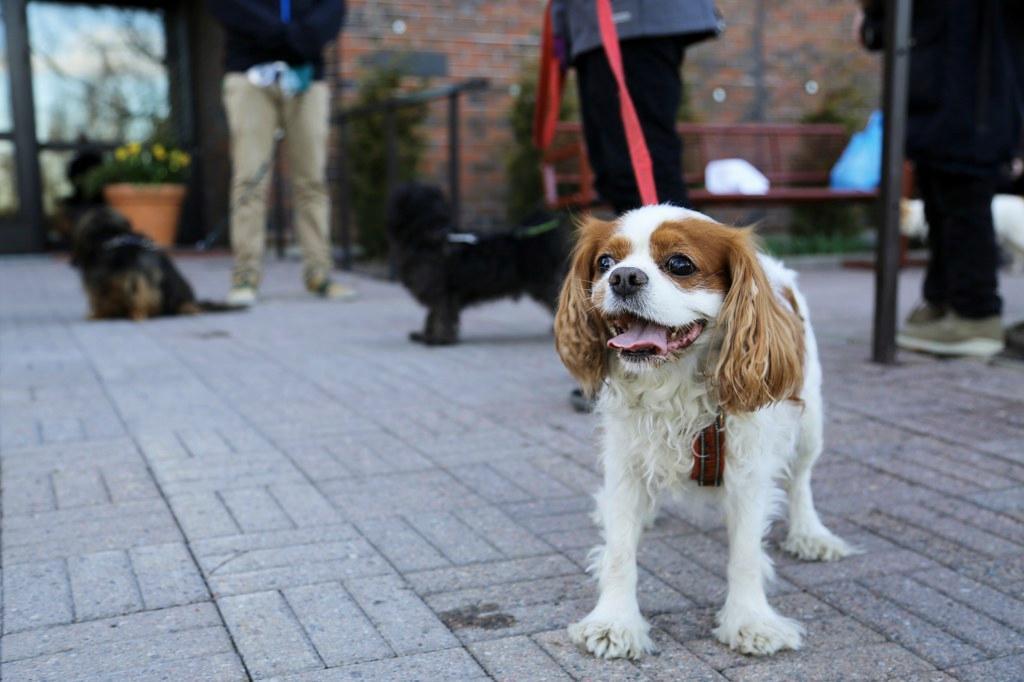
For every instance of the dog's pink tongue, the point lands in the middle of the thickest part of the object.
(642, 335)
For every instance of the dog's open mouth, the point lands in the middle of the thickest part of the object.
(639, 339)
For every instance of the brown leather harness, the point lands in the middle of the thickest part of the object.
(709, 454)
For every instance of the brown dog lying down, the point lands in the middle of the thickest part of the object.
(126, 275)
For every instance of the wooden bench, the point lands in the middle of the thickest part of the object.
(795, 157)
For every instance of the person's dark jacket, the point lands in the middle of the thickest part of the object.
(966, 84)
(292, 31)
(576, 21)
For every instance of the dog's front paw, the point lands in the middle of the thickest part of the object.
(759, 633)
(823, 546)
(613, 637)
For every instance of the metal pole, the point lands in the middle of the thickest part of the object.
(887, 262)
(391, 173)
(345, 226)
(453, 158)
(280, 211)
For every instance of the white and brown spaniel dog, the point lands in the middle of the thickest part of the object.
(673, 320)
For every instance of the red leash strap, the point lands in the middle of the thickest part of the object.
(638, 152)
(549, 87)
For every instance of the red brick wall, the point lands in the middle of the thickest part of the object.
(800, 41)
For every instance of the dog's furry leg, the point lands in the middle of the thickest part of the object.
(747, 622)
(616, 628)
(441, 327)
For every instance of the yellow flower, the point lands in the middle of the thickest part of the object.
(134, 148)
(159, 152)
(180, 158)
(120, 153)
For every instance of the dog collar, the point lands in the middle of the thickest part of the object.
(709, 454)
(129, 239)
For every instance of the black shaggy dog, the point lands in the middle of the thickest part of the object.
(448, 271)
(126, 275)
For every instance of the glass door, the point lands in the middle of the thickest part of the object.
(8, 167)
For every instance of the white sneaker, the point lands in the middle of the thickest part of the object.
(242, 295)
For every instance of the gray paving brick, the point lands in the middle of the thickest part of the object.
(516, 658)
(448, 665)
(1006, 669)
(979, 597)
(337, 627)
(27, 494)
(874, 662)
(129, 655)
(167, 576)
(503, 533)
(224, 667)
(399, 615)
(489, 484)
(530, 477)
(142, 625)
(953, 530)
(924, 639)
(409, 494)
(129, 481)
(304, 505)
(966, 623)
(36, 594)
(268, 636)
(79, 488)
(254, 509)
(401, 544)
(202, 515)
(498, 573)
(103, 585)
(453, 538)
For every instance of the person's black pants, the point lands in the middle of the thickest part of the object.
(964, 257)
(652, 75)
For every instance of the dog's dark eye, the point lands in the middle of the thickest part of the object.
(680, 265)
(605, 263)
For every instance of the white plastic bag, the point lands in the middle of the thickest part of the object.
(734, 176)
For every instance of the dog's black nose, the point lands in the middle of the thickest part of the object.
(627, 281)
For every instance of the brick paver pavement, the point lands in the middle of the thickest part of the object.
(297, 492)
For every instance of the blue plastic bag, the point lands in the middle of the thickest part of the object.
(860, 166)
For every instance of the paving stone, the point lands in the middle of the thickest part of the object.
(268, 635)
(490, 574)
(202, 515)
(955, 617)
(874, 662)
(516, 658)
(1006, 669)
(224, 667)
(410, 494)
(448, 665)
(924, 639)
(399, 615)
(79, 488)
(27, 494)
(304, 505)
(336, 625)
(36, 594)
(94, 662)
(583, 666)
(142, 625)
(977, 596)
(489, 484)
(404, 548)
(255, 509)
(453, 538)
(503, 533)
(167, 576)
(103, 585)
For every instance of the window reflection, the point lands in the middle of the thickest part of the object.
(8, 180)
(5, 82)
(97, 71)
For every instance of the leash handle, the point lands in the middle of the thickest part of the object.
(643, 169)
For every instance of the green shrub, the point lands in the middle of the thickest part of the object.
(367, 155)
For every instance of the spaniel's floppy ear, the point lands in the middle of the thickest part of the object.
(581, 336)
(762, 354)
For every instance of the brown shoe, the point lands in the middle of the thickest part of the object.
(954, 335)
(926, 312)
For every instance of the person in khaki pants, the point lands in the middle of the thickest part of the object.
(274, 81)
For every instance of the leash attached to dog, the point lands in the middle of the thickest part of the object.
(709, 445)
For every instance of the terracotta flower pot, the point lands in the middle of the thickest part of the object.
(153, 210)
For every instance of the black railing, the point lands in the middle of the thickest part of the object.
(388, 108)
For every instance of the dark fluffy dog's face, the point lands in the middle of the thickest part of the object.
(95, 228)
(419, 213)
